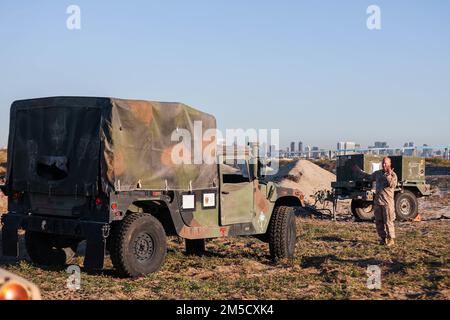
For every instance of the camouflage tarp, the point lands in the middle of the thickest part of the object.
(141, 146)
(60, 144)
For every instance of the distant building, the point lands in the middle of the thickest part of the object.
(315, 152)
(409, 149)
(308, 152)
(427, 152)
(347, 147)
(380, 145)
(300, 147)
(273, 151)
(292, 146)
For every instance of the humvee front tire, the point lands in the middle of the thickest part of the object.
(406, 206)
(363, 210)
(50, 249)
(282, 233)
(138, 245)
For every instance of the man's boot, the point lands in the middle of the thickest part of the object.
(390, 242)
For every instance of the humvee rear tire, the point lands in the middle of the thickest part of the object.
(406, 206)
(195, 247)
(138, 245)
(363, 210)
(50, 249)
(282, 233)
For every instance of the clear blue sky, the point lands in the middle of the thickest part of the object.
(310, 68)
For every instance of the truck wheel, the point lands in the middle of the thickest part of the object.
(282, 233)
(195, 247)
(49, 249)
(363, 210)
(406, 206)
(138, 245)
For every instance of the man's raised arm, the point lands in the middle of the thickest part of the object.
(362, 174)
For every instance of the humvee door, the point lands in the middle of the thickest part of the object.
(236, 194)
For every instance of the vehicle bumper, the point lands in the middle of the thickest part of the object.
(94, 232)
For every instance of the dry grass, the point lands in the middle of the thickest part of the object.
(326, 164)
(438, 162)
(330, 263)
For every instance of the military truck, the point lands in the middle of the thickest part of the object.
(352, 185)
(102, 170)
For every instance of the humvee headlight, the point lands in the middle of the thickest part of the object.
(13, 291)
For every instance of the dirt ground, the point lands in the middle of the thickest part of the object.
(331, 262)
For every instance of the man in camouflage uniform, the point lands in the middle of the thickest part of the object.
(384, 208)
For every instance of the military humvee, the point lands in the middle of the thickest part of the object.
(351, 185)
(100, 170)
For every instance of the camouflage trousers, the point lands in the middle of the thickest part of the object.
(384, 220)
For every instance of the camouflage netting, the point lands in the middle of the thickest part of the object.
(59, 145)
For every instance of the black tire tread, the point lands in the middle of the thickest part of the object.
(118, 243)
(360, 216)
(413, 197)
(278, 232)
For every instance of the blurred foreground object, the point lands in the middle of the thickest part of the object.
(13, 287)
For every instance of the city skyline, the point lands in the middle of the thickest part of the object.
(351, 145)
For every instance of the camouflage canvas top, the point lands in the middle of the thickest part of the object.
(59, 145)
(143, 142)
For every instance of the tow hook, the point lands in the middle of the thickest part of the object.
(105, 231)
